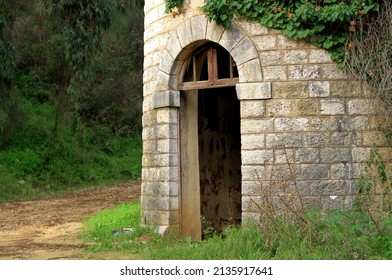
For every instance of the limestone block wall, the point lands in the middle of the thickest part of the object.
(304, 125)
(160, 178)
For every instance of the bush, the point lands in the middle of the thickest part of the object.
(56, 138)
(46, 166)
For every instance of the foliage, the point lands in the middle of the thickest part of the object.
(378, 174)
(9, 58)
(105, 229)
(8, 54)
(83, 22)
(338, 235)
(10, 115)
(288, 230)
(35, 165)
(370, 58)
(118, 71)
(326, 24)
(99, 139)
(375, 190)
(172, 4)
(80, 23)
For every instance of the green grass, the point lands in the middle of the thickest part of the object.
(36, 165)
(104, 230)
(96, 140)
(336, 235)
(238, 243)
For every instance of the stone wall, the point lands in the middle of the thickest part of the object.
(304, 125)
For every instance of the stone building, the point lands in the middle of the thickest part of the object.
(230, 114)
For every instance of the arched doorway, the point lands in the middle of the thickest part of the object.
(210, 144)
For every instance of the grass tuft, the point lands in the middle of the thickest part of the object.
(36, 166)
(104, 230)
(335, 235)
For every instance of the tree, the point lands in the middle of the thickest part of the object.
(10, 112)
(114, 100)
(81, 23)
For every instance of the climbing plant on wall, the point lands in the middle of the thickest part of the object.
(324, 23)
(172, 4)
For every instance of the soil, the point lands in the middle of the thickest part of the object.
(48, 228)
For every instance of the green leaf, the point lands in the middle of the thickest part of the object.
(223, 17)
(324, 23)
(328, 44)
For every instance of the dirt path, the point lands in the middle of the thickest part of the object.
(48, 228)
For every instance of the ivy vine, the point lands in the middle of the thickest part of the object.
(172, 4)
(323, 23)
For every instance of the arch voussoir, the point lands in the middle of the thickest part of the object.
(199, 27)
(198, 30)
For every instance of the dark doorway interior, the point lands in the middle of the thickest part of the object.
(210, 142)
(219, 157)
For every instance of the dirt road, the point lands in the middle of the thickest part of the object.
(48, 228)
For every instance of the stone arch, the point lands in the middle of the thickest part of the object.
(197, 31)
(181, 43)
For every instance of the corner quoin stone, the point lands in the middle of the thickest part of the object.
(168, 98)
